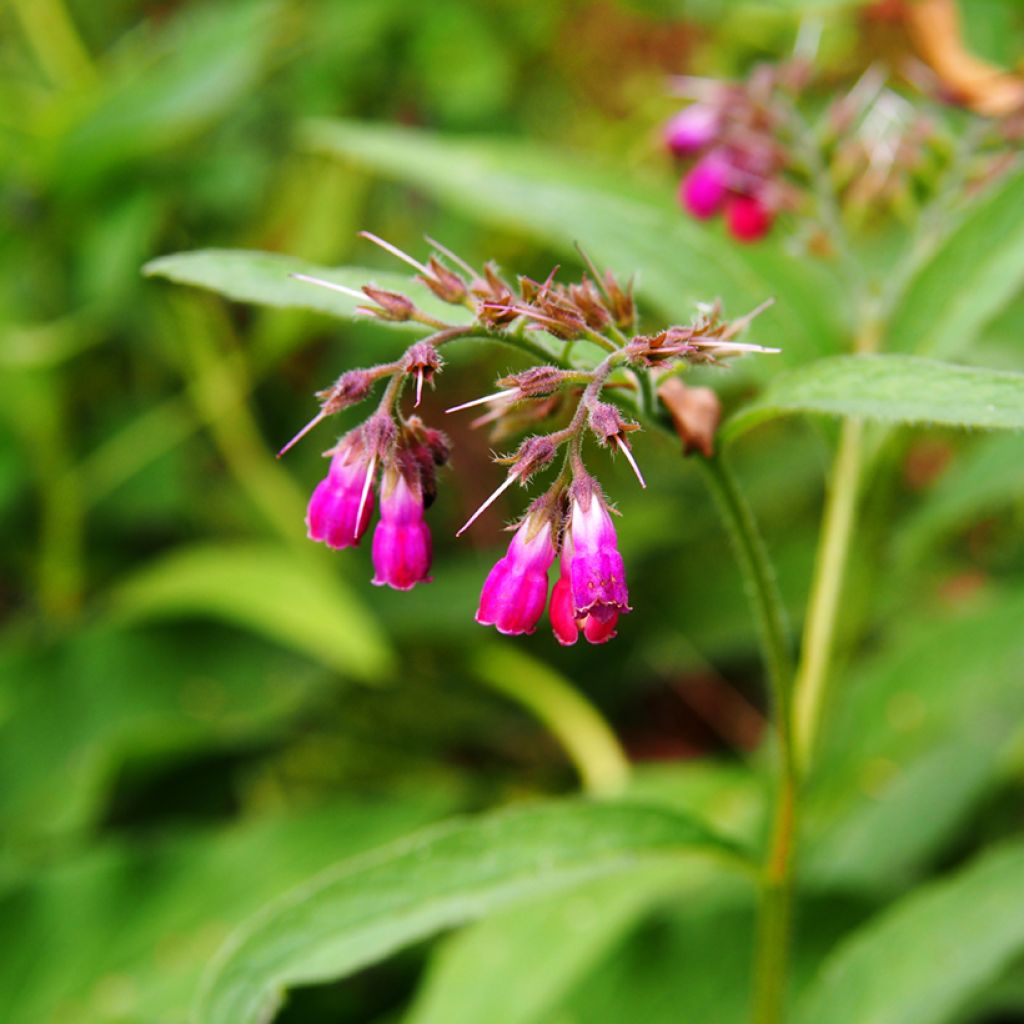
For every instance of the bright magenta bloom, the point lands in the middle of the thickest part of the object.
(333, 515)
(591, 593)
(703, 189)
(516, 589)
(401, 542)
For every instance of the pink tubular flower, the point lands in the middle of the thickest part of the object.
(516, 589)
(591, 593)
(333, 515)
(703, 189)
(690, 130)
(748, 218)
(401, 542)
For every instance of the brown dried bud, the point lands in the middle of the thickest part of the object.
(349, 389)
(695, 414)
(533, 455)
(620, 301)
(424, 358)
(444, 283)
(393, 305)
(605, 420)
(587, 300)
(536, 381)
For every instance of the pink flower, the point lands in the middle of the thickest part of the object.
(516, 589)
(333, 515)
(591, 592)
(401, 542)
(566, 626)
(703, 189)
(690, 130)
(748, 218)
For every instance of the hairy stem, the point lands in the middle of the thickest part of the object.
(771, 954)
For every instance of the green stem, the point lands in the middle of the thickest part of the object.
(823, 606)
(586, 737)
(771, 953)
(810, 688)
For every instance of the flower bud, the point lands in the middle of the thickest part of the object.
(393, 305)
(607, 424)
(340, 507)
(748, 218)
(536, 381)
(401, 541)
(349, 389)
(534, 454)
(704, 188)
(444, 283)
(691, 130)
(516, 589)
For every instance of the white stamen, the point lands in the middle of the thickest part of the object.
(329, 284)
(488, 417)
(509, 481)
(625, 449)
(738, 325)
(322, 414)
(366, 489)
(419, 386)
(395, 251)
(496, 397)
(732, 346)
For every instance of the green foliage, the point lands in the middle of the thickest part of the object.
(893, 389)
(334, 924)
(886, 971)
(219, 747)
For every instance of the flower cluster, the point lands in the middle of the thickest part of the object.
(396, 456)
(729, 136)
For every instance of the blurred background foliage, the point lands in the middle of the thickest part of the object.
(199, 709)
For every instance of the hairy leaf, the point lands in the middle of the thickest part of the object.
(265, 278)
(890, 388)
(968, 279)
(918, 961)
(292, 600)
(367, 908)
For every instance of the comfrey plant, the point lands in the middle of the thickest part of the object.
(397, 456)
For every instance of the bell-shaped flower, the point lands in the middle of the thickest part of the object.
(339, 509)
(516, 589)
(401, 541)
(704, 188)
(596, 571)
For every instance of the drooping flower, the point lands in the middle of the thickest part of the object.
(516, 589)
(340, 507)
(691, 129)
(401, 541)
(591, 593)
(566, 625)
(704, 188)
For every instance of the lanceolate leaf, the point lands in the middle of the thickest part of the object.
(265, 589)
(920, 960)
(891, 388)
(364, 909)
(265, 278)
(972, 275)
(632, 228)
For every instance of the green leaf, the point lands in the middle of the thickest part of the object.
(264, 278)
(272, 591)
(72, 713)
(365, 909)
(102, 913)
(987, 477)
(922, 958)
(890, 388)
(630, 226)
(512, 967)
(920, 732)
(974, 273)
